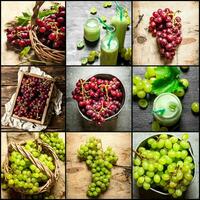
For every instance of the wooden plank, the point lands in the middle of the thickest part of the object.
(79, 177)
(145, 50)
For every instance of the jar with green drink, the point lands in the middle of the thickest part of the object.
(109, 47)
(120, 22)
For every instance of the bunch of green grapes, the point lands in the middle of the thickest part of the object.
(100, 163)
(53, 140)
(126, 54)
(164, 163)
(23, 174)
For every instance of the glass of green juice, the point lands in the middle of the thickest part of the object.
(120, 22)
(171, 107)
(92, 30)
(109, 48)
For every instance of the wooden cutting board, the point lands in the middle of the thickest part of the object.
(145, 50)
(79, 177)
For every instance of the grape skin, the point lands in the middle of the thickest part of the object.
(164, 161)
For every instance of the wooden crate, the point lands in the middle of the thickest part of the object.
(21, 75)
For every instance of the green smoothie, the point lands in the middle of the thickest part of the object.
(167, 109)
(109, 48)
(92, 30)
(120, 23)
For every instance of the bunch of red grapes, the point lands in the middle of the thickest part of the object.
(18, 36)
(32, 97)
(51, 30)
(166, 27)
(98, 98)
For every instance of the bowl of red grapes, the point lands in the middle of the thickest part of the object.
(33, 95)
(99, 98)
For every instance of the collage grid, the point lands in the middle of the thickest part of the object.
(132, 123)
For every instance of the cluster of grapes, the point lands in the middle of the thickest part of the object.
(32, 96)
(167, 29)
(165, 163)
(18, 36)
(126, 54)
(51, 29)
(98, 98)
(55, 142)
(100, 163)
(23, 174)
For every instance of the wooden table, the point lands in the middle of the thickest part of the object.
(145, 50)
(189, 122)
(77, 14)
(79, 177)
(9, 85)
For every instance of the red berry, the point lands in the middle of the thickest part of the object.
(52, 36)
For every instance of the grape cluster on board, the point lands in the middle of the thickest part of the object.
(166, 27)
(23, 175)
(165, 164)
(32, 97)
(52, 139)
(51, 29)
(98, 98)
(100, 163)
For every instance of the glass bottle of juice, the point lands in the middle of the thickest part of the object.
(120, 22)
(109, 48)
(92, 30)
(170, 109)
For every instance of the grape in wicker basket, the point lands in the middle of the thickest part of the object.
(25, 176)
(100, 163)
(51, 30)
(98, 98)
(55, 142)
(18, 36)
(166, 27)
(32, 97)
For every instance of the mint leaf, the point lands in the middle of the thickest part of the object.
(24, 52)
(167, 80)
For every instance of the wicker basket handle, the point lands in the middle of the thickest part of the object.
(36, 9)
(34, 160)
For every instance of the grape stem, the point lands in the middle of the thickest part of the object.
(140, 19)
(137, 154)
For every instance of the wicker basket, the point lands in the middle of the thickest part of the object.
(53, 176)
(43, 52)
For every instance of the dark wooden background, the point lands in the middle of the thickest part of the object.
(79, 12)
(9, 85)
(189, 122)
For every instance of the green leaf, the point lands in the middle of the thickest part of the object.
(167, 80)
(24, 19)
(46, 12)
(25, 51)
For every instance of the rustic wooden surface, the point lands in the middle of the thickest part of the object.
(74, 120)
(9, 85)
(77, 14)
(9, 10)
(58, 189)
(189, 122)
(145, 50)
(79, 177)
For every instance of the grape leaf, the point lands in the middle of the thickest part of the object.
(24, 51)
(167, 80)
(24, 19)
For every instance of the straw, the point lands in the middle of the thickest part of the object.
(159, 111)
(102, 22)
(110, 39)
(120, 9)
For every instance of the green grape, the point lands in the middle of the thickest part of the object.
(137, 79)
(134, 90)
(147, 87)
(141, 94)
(139, 86)
(173, 139)
(140, 171)
(151, 71)
(147, 179)
(160, 143)
(184, 144)
(163, 152)
(171, 153)
(171, 191)
(185, 136)
(150, 174)
(168, 144)
(143, 103)
(176, 147)
(145, 165)
(146, 186)
(178, 193)
(165, 177)
(137, 161)
(188, 159)
(185, 82)
(156, 178)
(140, 180)
(195, 107)
(163, 136)
(155, 126)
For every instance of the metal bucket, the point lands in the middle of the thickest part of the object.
(144, 142)
(108, 77)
